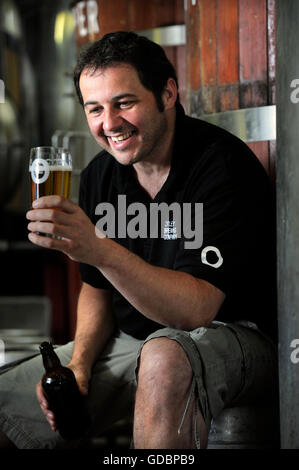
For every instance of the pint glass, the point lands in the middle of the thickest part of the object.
(50, 171)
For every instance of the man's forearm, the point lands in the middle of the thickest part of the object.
(95, 325)
(166, 296)
(169, 297)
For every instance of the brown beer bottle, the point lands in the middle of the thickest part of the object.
(63, 395)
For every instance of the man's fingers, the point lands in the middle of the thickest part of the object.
(51, 420)
(44, 227)
(49, 242)
(40, 395)
(58, 202)
(44, 406)
(47, 215)
(83, 387)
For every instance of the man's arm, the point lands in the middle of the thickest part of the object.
(169, 297)
(172, 298)
(95, 325)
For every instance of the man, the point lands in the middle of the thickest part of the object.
(174, 326)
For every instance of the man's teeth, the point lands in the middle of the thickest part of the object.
(122, 137)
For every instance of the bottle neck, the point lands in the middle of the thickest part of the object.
(50, 358)
(50, 361)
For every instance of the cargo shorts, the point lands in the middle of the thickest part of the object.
(233, 364)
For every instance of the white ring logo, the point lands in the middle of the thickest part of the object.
(39, 167)
(215, 250)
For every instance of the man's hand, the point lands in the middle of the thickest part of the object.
(74, 233)
(82, 377)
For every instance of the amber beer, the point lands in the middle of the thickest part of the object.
(51, 172)
(58, 182)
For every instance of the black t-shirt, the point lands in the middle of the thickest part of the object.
(214, 171)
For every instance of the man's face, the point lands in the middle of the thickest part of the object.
(122, 115)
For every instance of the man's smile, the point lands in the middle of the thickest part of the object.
(122, 137)
(121, 140)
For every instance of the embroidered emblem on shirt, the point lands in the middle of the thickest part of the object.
(170, 231)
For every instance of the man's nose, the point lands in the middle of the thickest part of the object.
(111, 120)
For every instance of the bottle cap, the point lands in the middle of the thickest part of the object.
(45, 346)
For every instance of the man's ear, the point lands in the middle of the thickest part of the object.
(170, 94)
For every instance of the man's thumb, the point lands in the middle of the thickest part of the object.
(83, 387)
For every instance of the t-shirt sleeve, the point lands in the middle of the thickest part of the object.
(90, 274)
(227, 218)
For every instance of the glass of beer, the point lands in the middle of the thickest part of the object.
(51, 171)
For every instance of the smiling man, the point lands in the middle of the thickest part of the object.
(128, 125)
(167, 335)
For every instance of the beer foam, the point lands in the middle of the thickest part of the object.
(57, 168)
(60, 168)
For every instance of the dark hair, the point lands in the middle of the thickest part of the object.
(147, 57)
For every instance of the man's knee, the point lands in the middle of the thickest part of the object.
(164, 367)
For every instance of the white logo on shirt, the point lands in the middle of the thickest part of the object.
(215, 250)
(170, 231)
(187, 220)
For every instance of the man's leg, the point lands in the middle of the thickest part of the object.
(164, 385)
(231, 365)
(110, 397)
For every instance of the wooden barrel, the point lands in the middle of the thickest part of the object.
(94, 18)
(98, 17)
(230, 79)
(230, 63)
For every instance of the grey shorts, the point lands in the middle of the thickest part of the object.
(232, 365)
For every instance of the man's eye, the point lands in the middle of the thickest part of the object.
(125, 104)
(95, 110)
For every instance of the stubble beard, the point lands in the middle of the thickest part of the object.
(151, 143)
